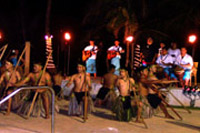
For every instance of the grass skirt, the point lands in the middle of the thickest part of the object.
(38, 108)
(110, 99)
(123, 109)
(78, 109)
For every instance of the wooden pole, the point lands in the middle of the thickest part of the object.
(138, 105)
(179, 101)
(166, 102)
(127, 54)
(132, 58)
(4, 49)
(85, 106)
(15, 69)
(65, 56)
(35, 96)
(27, 58)
(85, 100)
(171, 108)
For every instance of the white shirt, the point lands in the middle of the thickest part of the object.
(166, 59)
(117, 49)
(174, 53)
(187, 59)
(92, 49)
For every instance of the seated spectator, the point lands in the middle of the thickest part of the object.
(165, 62)
(185, 62)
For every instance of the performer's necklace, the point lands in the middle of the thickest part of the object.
(124, 80)
(80, 76)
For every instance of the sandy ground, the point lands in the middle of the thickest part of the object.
(100, 122)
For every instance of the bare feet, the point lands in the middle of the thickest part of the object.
(47, 117)
(85, 118)
(138, 120)
(7, 113)
(169, 117)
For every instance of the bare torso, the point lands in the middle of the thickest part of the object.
(36, 80)
(151, 77)
(81, 81)
(125, 86)
(57, 79)
(10, 78)
(109, 80)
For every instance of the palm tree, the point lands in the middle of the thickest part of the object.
(116, 16)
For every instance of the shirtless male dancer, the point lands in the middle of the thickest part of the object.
(34, 78)
(82, 84)
(122, 107)
(9, 77)
(57, 79)
(153, 97)
(108, 81)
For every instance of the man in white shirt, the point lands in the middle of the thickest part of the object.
(174, 51)
(184, 61)
(92, 50)
(165, 61)
(114, 53)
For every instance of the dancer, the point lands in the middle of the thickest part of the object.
(9, 78)
(124, 107)
(153, 96)
(33, 79)
(106, 93)
(82, 86)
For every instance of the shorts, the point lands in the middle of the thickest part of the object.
(102, 93)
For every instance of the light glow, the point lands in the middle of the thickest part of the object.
(129, 38)
(67, 36)
(192, 38)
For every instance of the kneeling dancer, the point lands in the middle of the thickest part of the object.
(107, 93)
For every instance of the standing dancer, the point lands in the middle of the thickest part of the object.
(122, 107)
(89, 55)
(82, 86)
(9, 78)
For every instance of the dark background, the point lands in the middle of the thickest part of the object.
(24, 20)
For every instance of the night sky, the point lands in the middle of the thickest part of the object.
(24, 20)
